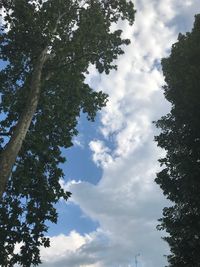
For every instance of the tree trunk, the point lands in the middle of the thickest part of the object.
(10, 153)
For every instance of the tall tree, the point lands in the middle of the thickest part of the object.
(48, 47)
(180, 137)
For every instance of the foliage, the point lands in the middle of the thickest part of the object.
(180, 137)
(77, 34)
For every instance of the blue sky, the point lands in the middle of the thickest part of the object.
(79, 166)
(110, 170)
(115, 204)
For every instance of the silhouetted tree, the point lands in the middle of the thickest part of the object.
(180, 137)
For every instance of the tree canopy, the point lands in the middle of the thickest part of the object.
(47, 47)
(180, 137)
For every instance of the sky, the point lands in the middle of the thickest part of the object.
(111, 218)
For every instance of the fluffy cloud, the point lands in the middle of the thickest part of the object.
(126, 202)
(101, 153)
(75, 250)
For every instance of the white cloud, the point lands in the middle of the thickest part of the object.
(126, 202)
(78, 141)
(127, 205)
(101, 154)
(72, 250)
(62, 245)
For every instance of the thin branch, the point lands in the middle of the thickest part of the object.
(58, 21)
(5, 134)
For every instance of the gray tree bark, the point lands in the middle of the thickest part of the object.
(10, 152)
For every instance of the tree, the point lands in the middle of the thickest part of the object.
(47, 47)
(180, 137)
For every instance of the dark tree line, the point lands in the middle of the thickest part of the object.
(180, 137)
